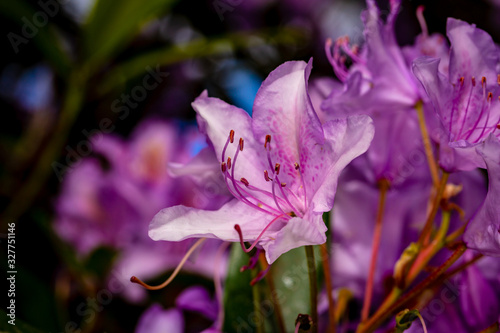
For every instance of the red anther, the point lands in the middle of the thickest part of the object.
(268, 140)
(277, 168)
(473, 81)
(462, 79)
(245, 182)
(297, 167)
(490, 96)
(229, 163)
(483, 81)
(283, 184)
(241, 144)
(231, 136)
(498, 79)
(223, 166)
(266, 176)
(498, 126)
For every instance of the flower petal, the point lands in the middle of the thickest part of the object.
(283, 109)
(296, 233)
(483, 232)
(180, 222)
(157, 320)
(197, 299)
(345, 139)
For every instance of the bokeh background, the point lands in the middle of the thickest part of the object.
(67, 68)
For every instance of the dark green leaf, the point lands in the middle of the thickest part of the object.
(238, 304)
(113, 23)
(44, 37)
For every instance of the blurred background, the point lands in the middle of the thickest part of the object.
(95, 98)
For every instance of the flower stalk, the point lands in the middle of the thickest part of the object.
(313, 287)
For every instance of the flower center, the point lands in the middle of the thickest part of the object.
(473, 116)
(276, 202)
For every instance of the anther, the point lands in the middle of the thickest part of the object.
(498, 79)
(245, 182)
(229, 163)
(498, 126)
(266, 176)
(223, 167)
(268, 140)
(297, 167)
(241, 144)
(473, 81)
(490, 96)
(462, 79)
(283, 184)
(483, 81)
(231, 136)
(277, 168)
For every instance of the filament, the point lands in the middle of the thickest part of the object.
(174, 274)
(240, 234)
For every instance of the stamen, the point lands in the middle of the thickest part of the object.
(260, 276)
(490, 96)
(283, 184)
(174, 274)
(230, 139)
(498, 79)
(241, 144)
(223, 167)
(421, 20)
(277, 168)
(473, 81)
(296, 165)
(498, 126)
(229, 163)
(268, 140)
(483, 81)
(240, 234)
(266, 176)
(245, 182)
(462, 79)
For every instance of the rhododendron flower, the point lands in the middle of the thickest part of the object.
(483, 231)
(466, 100)
(281, 166)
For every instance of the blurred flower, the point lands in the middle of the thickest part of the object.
(109, 201)
(287, 167)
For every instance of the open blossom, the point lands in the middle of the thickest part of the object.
(281, 166)
(483, 231)
(466, 99)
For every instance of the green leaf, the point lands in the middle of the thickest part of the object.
(19, 327)
(113, 23)
(198, 48)
(291, 281)
(238, 299)
(44, 37)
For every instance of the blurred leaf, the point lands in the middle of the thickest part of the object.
(238, 300)
(113, 23)
(100, 261)
(20, 326)
(291, 281)
(45, 37)
(198, 48)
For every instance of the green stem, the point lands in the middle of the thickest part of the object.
(313, 287)
(259, 319)
(381, 315)
(427, 144)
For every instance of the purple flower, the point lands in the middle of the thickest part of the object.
(281, 166)
(157, 320)
(483, 231)
(465, 100)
